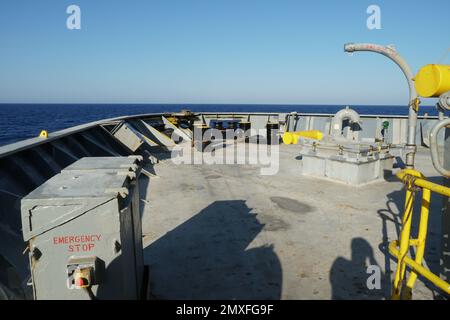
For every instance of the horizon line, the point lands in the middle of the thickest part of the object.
(206, 104)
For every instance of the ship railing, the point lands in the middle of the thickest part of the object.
(402, 287)
(434, 146)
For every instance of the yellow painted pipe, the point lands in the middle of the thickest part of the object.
(399, 249)
(422, 236)
(404, 245)
(402, 173)
(292, 137)
(422, 183)
(405, 233)
(393, 249)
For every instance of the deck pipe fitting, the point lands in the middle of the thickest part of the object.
(337, 122)
(443, 104)
(391, 53)
(434, 147)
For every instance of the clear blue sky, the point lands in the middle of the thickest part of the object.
(213, 51)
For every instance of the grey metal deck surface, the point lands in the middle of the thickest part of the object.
(226, 232)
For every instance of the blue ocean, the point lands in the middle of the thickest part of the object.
(22, 121)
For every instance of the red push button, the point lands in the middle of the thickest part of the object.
(81, 282)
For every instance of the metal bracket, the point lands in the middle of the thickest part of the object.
(123, 192)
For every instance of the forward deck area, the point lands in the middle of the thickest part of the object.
(228, 232)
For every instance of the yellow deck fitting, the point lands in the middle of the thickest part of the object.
(43, 134)
(292, 137)
(173, 120)
(432, 80)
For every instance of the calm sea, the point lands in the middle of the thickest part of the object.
(22, 121)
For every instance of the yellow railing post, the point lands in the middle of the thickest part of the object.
(422, 236)
(404, 244)
(405, 235)
(402, 288)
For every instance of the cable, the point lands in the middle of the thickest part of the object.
(90, 293)
(443, 56)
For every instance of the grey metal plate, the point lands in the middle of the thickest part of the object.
(94, 163)
(79, 185)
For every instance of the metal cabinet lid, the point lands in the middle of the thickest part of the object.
(130, 163)
(82, 184)
(69, 195)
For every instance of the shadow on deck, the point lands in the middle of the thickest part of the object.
(348, 277)
(207, 257)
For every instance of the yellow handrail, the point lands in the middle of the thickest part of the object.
(401, 288)
(422, 183)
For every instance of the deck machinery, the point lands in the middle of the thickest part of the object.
(345, 158)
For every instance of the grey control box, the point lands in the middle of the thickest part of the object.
(84, 231)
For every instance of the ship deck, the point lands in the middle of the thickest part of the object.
(227, 232)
